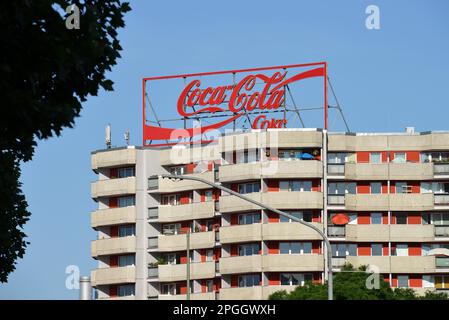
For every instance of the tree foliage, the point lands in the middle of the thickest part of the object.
(46, 72)
(351, 285)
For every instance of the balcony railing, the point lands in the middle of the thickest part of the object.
(336, 199)
(336, 169)
(336, 231)
(441, 169)
(442, 199)
(152, 242)
(442, 262)
(153, 272)
(442, 231)
(153, 213)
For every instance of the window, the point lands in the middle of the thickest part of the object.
(249, 280)
(178, 170)
(125, 290)
(376, 218)
(343, 249)
(247, 156)
(341, 188)
(376, 249)
(295, 185)
(400, 157)
(209, 285)
(375, 157)
(402, 281)
(401, 187)
(126, 231)
(249, 218)
(295, 247)
(401, 250)
(171, 200)
(295, 279)
(209, 225)
(290, 154)
(128, 260)
(336, 158)
(171, 258)
(376, 187)
(401, 218)
(125, 172)
(249, 187)
(249, 249)
(305, 216)
(209, 255)
(126, 201)
(208, 195)
(440, 218)
(169, 289)
(171, 228)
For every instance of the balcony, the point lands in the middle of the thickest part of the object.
(442, 231)
(336, 169)
(193, 296)
(381, 262)
(246, 293)
(108, 217)
(290, 231)
(388, 171)
(292, 262)
(411, 202)
(241, 264)
(268, 290)
(413, 264)
(178, 272)
(406, 264)
(412, 233)
(105, 276)
(165, 185)
(441, 169)
(241, 233)
(367, 232)
(113, 158)
(113, 187)
(441, 199)
(198, 240)
(271, 169)
(393, 202)
(110, 246)
(200, 210)
(336, 231)
(231, 203)
(293, 200)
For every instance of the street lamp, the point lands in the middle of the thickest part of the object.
(260, 204)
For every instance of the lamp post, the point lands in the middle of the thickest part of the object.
(260, 204)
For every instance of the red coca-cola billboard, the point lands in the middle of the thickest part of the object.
(259, 96)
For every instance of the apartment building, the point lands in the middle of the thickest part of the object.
(383, 200)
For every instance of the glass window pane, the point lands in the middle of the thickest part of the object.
(307, 247)
(376, 249)
(295, 186)
(402, 281)
(307, 216)
(284, 247)
(285, 279)
(376, 218)
(295, 247)
(256, 187)
(375, 157)
(296, 279)
(283, 219)
(376, 187)
(307, 185)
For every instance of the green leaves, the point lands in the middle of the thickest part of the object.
(46, 72)
(350, 284)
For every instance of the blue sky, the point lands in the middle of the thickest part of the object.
(385, 80)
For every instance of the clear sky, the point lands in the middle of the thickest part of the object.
(385, 80)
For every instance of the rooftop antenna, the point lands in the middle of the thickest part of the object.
(108, 136)
(126, 135)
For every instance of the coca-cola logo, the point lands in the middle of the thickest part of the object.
(255, 94)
